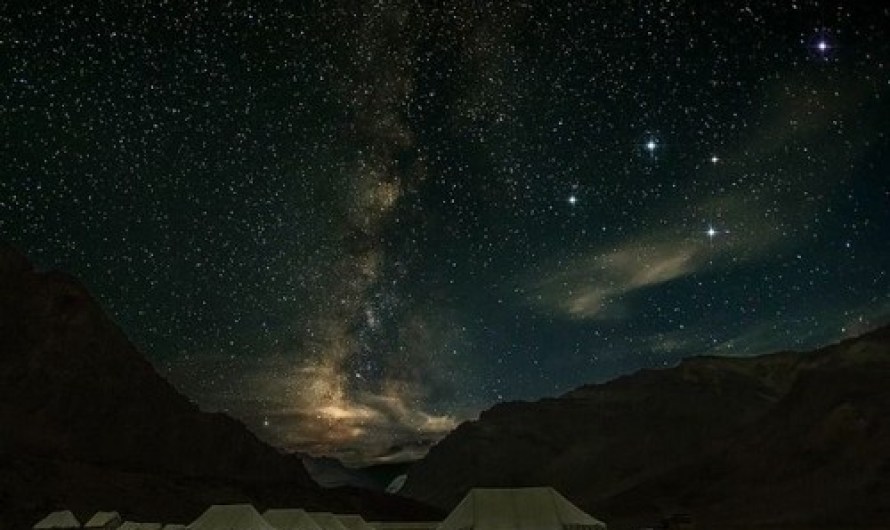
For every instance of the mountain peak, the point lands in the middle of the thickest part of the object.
(88, 422)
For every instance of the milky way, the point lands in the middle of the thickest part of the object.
(353, 225)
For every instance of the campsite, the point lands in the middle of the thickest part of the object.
(481, 509)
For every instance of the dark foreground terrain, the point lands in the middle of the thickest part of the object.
(789, 440)
(86, 423)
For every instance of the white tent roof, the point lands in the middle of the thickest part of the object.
(102, 519)
(327, 521)
(354, 522)
(63, 519)
(230, 517)
(518, 509)
(290, 519)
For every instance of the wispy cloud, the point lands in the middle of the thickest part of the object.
(591, 287)
(595, 286)
(325, 406)
(359, 428)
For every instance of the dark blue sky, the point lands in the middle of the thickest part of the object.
(353, 224)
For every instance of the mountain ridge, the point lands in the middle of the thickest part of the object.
(641, 446)
(89, 424)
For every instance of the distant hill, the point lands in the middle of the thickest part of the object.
(86, 423)
(789, 440)
(331, 473)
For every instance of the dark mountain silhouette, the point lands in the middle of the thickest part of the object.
(789, 440)
(331, 473)
(86, 423)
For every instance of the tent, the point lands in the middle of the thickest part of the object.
(327, 521)
(518, 509)
(290, 519)
(354, 522)
(104, 521)
(230, 517)
(62, 519)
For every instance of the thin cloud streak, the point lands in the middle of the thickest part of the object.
(589, 288)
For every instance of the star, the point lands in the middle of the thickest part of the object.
(822, 46)
(388, 186)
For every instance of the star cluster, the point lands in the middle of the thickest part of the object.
(354, 224)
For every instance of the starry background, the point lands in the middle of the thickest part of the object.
(355, 224)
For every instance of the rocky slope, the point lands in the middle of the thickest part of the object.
(786, 440)
(86, 422)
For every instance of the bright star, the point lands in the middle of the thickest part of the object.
(573, 200)
(715, 159)
(712, 232)
(651, 146)
(822, 46)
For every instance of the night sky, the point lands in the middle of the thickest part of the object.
(354, 224)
